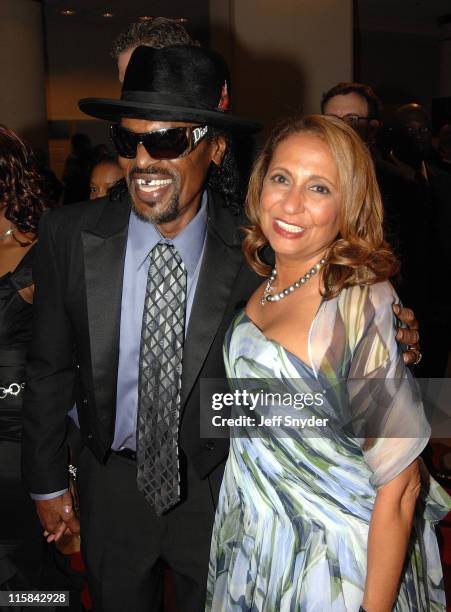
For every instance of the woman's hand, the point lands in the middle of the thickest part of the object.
(57, 516)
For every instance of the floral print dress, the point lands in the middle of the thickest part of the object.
(292, 522)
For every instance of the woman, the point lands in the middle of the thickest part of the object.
(105, 173)
(336, 517)
(23, 552)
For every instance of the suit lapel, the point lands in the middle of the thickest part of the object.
(221, 262)
(104, 253)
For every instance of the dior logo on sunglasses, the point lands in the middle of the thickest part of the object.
(168, 143)
(198, 134)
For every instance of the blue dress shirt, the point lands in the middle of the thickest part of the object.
(142, 238)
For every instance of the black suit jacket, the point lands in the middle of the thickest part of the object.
(418, 220)
(78, 278)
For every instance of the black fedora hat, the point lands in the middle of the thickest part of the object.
(177, 83)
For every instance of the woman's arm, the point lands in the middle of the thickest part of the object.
(389, 534)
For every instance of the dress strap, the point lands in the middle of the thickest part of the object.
(22, 275)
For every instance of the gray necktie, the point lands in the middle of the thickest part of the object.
(160, 370)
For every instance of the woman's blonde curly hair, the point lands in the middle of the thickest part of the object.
(359, 255)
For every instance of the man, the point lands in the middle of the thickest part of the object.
(91, 300)
(358, 105)
(420, 205)
(118, 285)
(157, 33)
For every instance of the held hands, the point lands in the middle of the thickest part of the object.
(408, 335)
(57, 517)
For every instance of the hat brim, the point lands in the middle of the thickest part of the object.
(114, 110)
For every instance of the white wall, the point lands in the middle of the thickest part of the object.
(79, 66)
(283, 54)
(22, 91)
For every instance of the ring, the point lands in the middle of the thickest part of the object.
(419, 358)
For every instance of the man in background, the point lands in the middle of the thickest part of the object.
(158, 33)
(444, 147)
(358, 105)
(420, 205)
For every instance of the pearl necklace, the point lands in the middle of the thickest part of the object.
(267, 293)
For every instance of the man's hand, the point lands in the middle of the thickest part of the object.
(57, 516)
(409, 336)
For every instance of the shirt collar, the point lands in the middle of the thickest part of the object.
(407, 170)
(144, 236)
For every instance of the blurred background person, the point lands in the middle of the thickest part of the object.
(420, 209)
(77, 170)
(104, 174)
(98, 152)
(157, 33)
(444, 147)
(358, 105)
(412, 141)
(52, 186)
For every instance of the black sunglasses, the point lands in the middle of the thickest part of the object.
(169, 143)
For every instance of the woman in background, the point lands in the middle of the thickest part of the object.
(336, 517)
(24, 555)
(105, 173)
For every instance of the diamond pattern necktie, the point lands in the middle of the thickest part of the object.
(160, 370)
